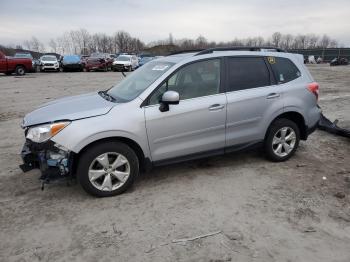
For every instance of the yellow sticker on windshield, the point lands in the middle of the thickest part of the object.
(271, 60)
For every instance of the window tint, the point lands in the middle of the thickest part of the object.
(283, 69)
(247, 72)
(194, 80)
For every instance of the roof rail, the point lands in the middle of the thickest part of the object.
(240, 48)
(187, 51)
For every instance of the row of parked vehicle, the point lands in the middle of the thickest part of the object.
(21, 63)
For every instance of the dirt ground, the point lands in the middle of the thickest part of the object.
(259, 211)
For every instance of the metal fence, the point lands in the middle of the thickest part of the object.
(327, 54)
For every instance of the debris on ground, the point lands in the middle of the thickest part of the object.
(326, 125)
(196, 237)
(340, 195)
(309, 230)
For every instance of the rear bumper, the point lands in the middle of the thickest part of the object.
(52, 160)
(311, 129)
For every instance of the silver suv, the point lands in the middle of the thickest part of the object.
(175, 108)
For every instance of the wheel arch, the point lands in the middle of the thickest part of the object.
(144, 162)
(297, 118)
(17, 65)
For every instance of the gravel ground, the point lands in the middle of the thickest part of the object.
(258, 210)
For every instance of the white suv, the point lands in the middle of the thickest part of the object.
(49, 62)
(125, 63)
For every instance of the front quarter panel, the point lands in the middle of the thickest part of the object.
(124, 120)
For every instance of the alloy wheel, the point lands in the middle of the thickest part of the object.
(109, 171)
(284, 141)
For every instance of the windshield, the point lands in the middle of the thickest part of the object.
(24, 55)
(48, 58)
(134, 84)
(123, 58)
(71, 58)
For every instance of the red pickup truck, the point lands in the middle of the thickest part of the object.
(9, 65)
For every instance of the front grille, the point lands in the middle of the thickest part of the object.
(48, 64)
(119, 66)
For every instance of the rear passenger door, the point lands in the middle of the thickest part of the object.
(252, 97)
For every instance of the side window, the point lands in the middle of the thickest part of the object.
(247, 72)
(283, 69)
(194, 80)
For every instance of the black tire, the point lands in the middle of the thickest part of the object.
(273, 129)
(87, 158)
(20, 70)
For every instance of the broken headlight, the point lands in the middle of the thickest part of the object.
(42, 133)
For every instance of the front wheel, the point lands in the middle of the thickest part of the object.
(107, 169)
(282, 140)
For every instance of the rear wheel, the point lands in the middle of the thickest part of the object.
(20, 70)
(282, 140)
(107, 169)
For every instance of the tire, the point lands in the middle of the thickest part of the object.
(105, 69)
(20, 70)
(279, 147)
(89, 166)
(129, 69)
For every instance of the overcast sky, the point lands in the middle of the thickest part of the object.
(219, 20)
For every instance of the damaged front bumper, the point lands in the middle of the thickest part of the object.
(53, 160)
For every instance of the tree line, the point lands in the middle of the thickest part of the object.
(84, 43)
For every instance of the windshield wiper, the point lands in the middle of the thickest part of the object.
(106, 96)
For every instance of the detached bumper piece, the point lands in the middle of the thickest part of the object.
(332, 127)
(54, 161)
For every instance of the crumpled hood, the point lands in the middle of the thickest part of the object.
(69, 108)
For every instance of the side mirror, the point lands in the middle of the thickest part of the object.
(169, 98)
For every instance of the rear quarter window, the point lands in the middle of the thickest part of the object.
(283, 69)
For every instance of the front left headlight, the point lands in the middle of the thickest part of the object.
(42, 133)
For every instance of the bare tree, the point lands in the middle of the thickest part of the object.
(201, 42)
(324, 41)
(286, 41)
(313, 39)
(276, 39)
(122, 40)
(53, 45)
(27, 44)
(35, 45)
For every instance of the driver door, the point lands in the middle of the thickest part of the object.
(197, 124)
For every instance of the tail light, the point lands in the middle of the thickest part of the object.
(314, 88)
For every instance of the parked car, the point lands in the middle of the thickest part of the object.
(20, 66)
(125, 63)
(145, 60)
(35, 62)
(96, 64)
(49, 62)
(172, 109)
(72, 63)
(339, 61)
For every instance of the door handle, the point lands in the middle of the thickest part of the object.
(216, 107)
(272, 95)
